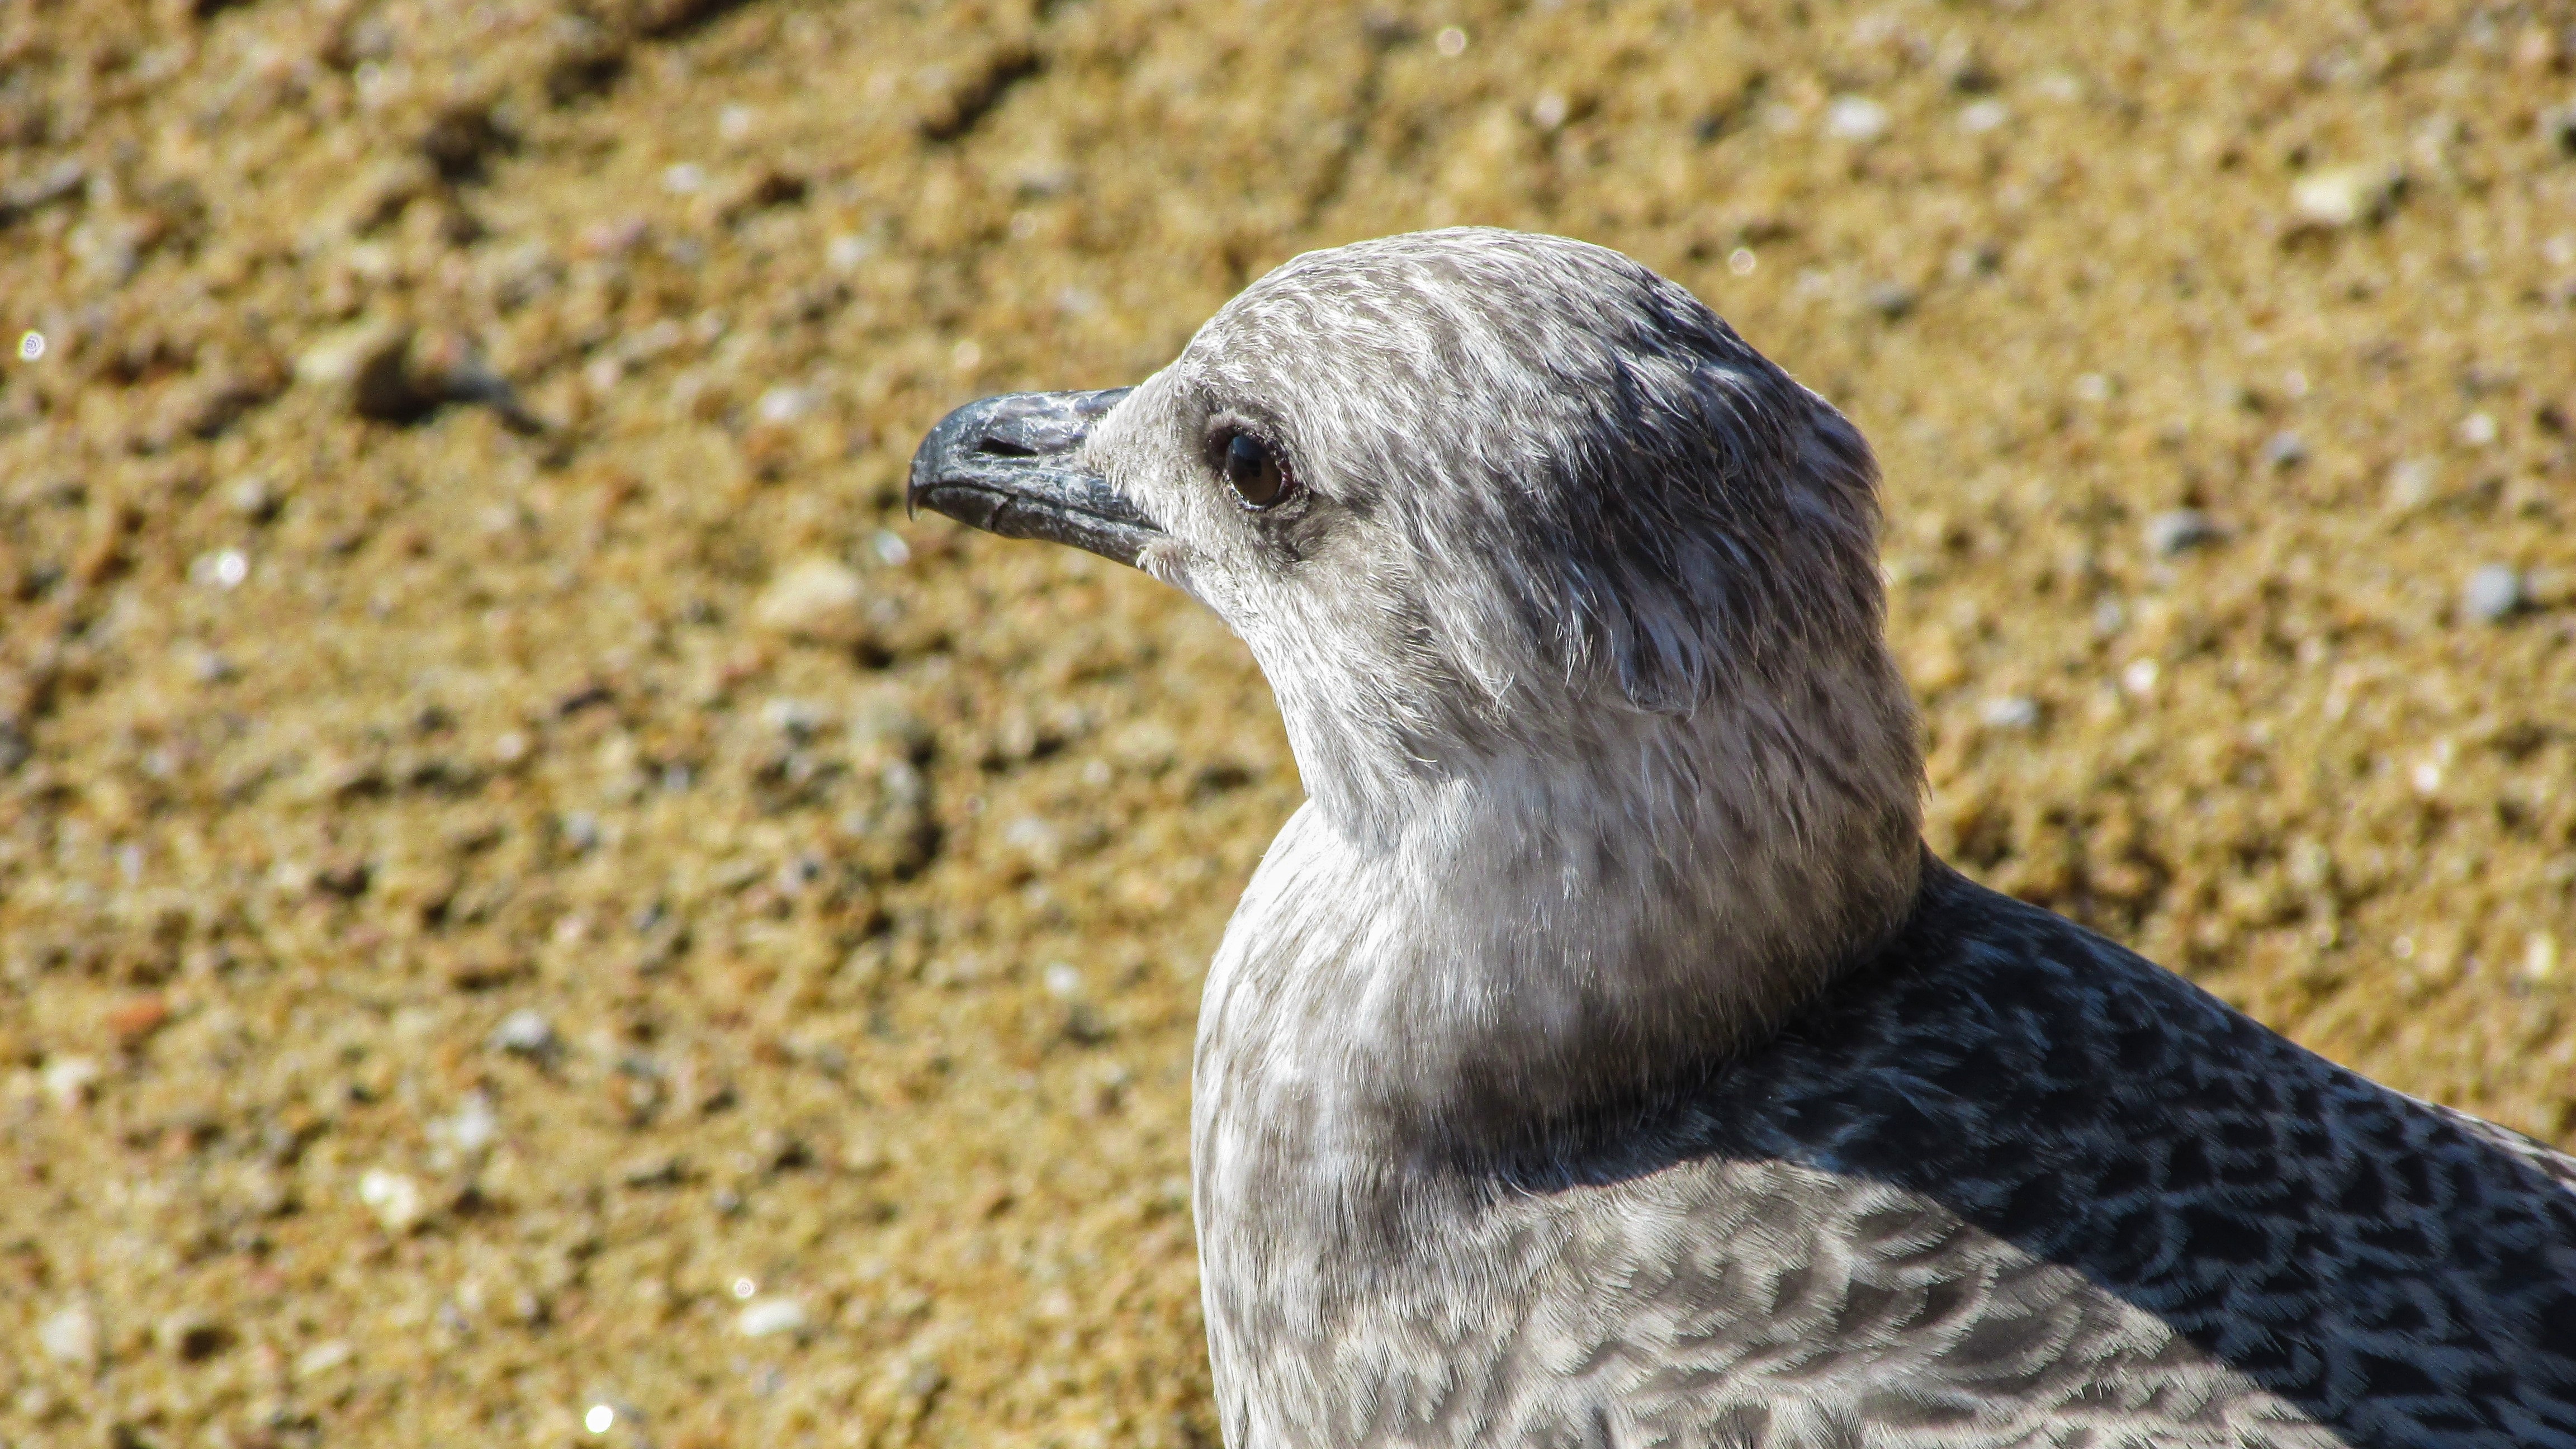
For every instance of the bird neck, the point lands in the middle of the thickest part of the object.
(1548, 934)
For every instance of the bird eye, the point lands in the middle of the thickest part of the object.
(1252, 467)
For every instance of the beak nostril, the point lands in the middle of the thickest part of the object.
(1004, 448)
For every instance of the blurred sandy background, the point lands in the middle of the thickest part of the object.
(536, 907)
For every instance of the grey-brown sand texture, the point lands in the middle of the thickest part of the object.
(537, 907)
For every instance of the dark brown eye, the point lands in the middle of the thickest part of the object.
(1252, 466)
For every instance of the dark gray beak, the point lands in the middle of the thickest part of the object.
(1008, 465)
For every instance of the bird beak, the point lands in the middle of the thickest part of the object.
(1011, 465)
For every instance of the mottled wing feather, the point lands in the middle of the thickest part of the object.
(2013, 1186)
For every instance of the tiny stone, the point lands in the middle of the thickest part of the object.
(783, 405)
(1063, 982)
(2181, 530)
(70, 1336)
(768, 1316)
(2285, 451)
(2345, 196)
(1891, 300)
(205, 665)
(2494, 593)
(524, 1031)
(191, 1337)
(1985, 115)
(134, 1020)
(475, 1125)
(794, 718)
(817, 599)
(368, 364)
(2560, 126)
(323, 1357)
(2411, 483)
(2011, 712)
(1033, 837)
(254, 499)
(396, 1200)
(1855, 118)
(70, 1081)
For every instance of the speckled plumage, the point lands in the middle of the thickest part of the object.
(2006, 1184)
(1597, 1058)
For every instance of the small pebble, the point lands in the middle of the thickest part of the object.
(2411, 483)
(190, 1336)
(1890, 300)
(70, 1336)
(2179, 531)
(133, 1021)
(846, 252)
(367, 365)
(323, 1357)
(1985, 115)
(2011, 712)
(1033, 837)
(204, 665)
(2344, 195)
(2494, 593)
(396, 1200)
(766, 1317)
(783, 405)
(795, 718)
(816, 599)
(475, 1125)
(1855, 118)
(70, 1081)
(254, 499)
(2285, 451)
(524, 1031)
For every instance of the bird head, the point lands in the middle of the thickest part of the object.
(1471, 496)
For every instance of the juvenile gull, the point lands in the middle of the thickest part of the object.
(1598, 1057)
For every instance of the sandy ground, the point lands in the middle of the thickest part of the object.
(537, 907)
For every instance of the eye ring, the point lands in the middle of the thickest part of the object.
(1253, 467)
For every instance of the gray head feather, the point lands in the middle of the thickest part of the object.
(1542, 485)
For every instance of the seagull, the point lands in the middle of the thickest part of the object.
(1598, 1057)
